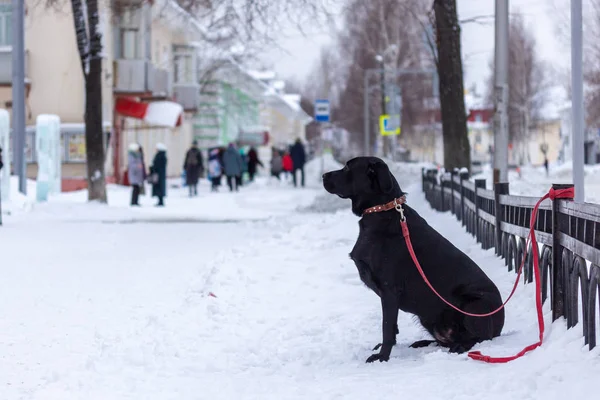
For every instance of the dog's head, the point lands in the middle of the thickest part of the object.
(366, 181)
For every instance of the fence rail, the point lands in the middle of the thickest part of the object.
(568, 234)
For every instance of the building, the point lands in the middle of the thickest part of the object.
(281, 111)
(229, 108)
(427, 144)
(154, 86)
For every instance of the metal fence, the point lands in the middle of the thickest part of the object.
(568, 234)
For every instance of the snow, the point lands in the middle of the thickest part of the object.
(163, 113)
(534, 182)
(109, 302)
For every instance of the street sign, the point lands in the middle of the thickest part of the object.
(389, 125)
(322, 110)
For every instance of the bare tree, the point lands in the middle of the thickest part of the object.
(527, 83)
(371, 28)
(89, 44)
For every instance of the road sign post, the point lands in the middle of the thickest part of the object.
(394, 73)
(322, 110)
(389, 125)
(322, 115)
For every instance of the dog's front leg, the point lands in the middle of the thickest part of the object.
(389, 306)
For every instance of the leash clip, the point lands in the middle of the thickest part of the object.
(398, 207)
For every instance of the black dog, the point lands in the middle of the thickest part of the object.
(386, 267)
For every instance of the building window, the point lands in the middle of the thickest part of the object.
(478, 117)
(184, 64)
(5, 24)
(130, 37)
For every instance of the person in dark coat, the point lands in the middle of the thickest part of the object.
(299, 159)
(194, 168)
(1, 163)
(253, 163)
(233, 164)
(159, 170)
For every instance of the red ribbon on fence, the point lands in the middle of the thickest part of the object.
(553, 194)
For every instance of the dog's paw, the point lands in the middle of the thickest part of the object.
(457, 348)
(379, 356)
(421, 343)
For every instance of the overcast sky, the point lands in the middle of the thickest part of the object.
(477, 40)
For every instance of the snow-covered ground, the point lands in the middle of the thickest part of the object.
(534, 181)
(106, 302)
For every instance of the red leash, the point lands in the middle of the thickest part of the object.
(476, 355)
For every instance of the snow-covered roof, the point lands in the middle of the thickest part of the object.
(474, 102)
(272, 96)
(262, 75)
(293, 100)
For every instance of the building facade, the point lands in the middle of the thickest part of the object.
(151, 60)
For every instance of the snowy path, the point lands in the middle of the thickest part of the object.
(128, 316)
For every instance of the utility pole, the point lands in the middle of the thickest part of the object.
(366, 122)
(382, 77)
(577, 98)
(501, 92)
(18, 92)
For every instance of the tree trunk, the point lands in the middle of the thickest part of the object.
(90, 52)
(80, 32)
(457, 150)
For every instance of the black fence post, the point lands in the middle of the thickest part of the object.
(432, 183)
(443, 196)
(479, 184)
(452, 204)
(463, 177)
(558, 278)
(423, 179)
(500, 188)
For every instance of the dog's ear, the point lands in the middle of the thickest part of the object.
(382, 175)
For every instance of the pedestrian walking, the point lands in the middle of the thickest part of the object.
(135, 172)
(193, 166)
(158, 174)
(215, 169)
(299, 159)
(253, 163)
(288, 164)
(276, 164)
(143, 185)
(233, 166)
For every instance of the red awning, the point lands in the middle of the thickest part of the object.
(159, 113)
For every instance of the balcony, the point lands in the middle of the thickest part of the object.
(188, 95)
(6, 66)
(161, 85)
(131, 76)
(140, 77)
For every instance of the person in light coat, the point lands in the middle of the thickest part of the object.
(135, 172)
(276, 164)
